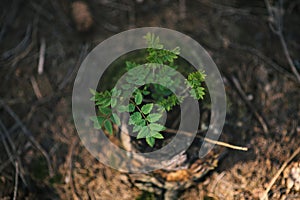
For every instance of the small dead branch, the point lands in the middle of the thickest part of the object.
(16, 181)
(15, 154)
(260, 119)
(276, 25)
(42, 56)
(29, 135)
(20, 47)
(36, 88)
(284, 165)
(227, 9)
(209, 140)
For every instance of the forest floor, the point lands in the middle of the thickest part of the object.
(263, 95)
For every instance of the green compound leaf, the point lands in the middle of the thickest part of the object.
(153, 41)
(145, 92)
(103, 102)
(150, 141)
(136, 117)
(126, 86)
(92, 91)
(122, 108)
(138, 98)
(198, 93)
(143, 133)
(98, 121)
(113, 102)
(156, 127)
(130, 65)
(137, 128)
(140, 122)
(108, 126)
(146, 109)
(145, 123)
(131, 107)
(157, 135)
(105, 111)
(154, 117)
(176, 50)
(115, 119)
(139, 82)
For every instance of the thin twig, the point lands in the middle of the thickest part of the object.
(36, 88)
(29, 135)
(42, 56)
(288, 57)
(14, 149)
(21, 46)
(10, 156)
(16, 181)
(228, 9)
(209, 140)
(284, 165)
(276, 25)
(252, 108)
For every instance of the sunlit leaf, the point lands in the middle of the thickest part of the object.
(138, 98)
(150, 141)
(146, 109)
(108, 127)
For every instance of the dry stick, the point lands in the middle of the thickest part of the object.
(287, 55)
(277, 17)
(29, 135)
(42, 56)
(20, 47)
(36, 88)
(16, 181)
(284, 165)
(225, 8)
(209, 140)
(10, 156)
(252, 108)
(14, 149)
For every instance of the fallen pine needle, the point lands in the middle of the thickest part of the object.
(284, 165)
